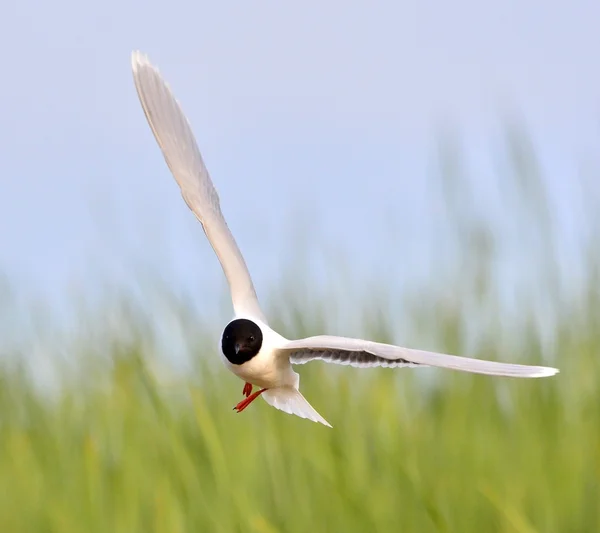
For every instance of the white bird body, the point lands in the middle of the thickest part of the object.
(266, 369)
(250, 348)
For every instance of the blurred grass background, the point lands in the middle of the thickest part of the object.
(123, 443)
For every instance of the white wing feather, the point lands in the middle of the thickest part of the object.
(180, 150)
(362, 353)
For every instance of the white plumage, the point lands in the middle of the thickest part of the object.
(250, 348)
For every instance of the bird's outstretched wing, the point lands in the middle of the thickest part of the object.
(363, 354)
(176, 140)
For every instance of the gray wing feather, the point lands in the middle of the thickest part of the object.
(363, 353)
(357, 358)
(180, 150)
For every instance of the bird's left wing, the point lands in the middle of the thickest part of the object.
(180, 150)
(363, 354)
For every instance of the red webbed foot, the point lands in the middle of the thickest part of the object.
(247, 390)
(245, 403)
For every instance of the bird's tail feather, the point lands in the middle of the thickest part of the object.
(291, 401)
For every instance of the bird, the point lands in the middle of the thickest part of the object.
(249, 347)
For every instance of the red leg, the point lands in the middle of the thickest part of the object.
(245, 403)
(247, 390)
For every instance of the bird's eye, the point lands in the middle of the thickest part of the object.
(251, 338)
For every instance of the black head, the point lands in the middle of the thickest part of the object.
(241, 341)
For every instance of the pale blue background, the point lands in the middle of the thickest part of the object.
(323, 112)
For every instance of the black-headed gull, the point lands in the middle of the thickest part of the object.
(249, 347)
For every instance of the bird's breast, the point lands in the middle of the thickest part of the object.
(264, 370)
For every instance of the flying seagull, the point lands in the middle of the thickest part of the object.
(250, 349)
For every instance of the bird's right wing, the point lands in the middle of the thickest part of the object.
(363, 353)
(180, 150)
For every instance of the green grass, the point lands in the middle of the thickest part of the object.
(468, 454)
(118, 450)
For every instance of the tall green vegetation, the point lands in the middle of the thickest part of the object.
(120, 448)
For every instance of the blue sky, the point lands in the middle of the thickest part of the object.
(319, 112)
